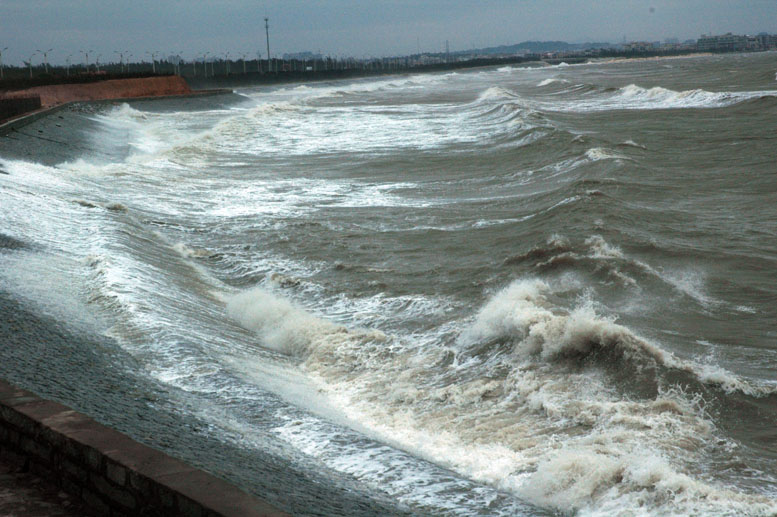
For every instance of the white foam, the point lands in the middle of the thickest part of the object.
(521, 314)
(601, 249)
(600, 153)
(282, 326)
(598, 484)
(551, 80)
(637, 97)
(634, 97)
(285, 328)
(632, 143)
(501, 430)
(497, 93)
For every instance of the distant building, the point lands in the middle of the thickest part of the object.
(725, 42)
(638, 46)
(736, 42)
(767, 41)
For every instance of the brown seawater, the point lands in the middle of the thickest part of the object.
(502, 291)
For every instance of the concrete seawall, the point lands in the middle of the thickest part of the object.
(111, 89)
(59, 95)
(24, 119)
(112, 474)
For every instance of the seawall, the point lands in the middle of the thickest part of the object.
(14, 106)
(111, 473)
(52, 95)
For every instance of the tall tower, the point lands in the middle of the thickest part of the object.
(267, 33)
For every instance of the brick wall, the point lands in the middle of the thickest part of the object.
(111, 473)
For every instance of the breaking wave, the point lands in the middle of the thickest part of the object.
(634, 97)
(551, 80)
(522, 315)
(617, 450)
(285, 328)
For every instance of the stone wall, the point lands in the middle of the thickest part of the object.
(111, 473)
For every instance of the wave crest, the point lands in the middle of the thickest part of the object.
(286, 328)
(522, 315)
(659, 98)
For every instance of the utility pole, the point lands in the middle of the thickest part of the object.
(267, 33)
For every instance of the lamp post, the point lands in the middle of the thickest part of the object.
(1, 62)
(86, 58)
(121, 59)
(128, 61)
(29, 63)
(68, 64)
(97, 62)
(177, 62)
(153, 61)
(45, 58)
(227, 62)
(205, 63)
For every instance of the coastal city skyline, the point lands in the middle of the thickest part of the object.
(56, 33)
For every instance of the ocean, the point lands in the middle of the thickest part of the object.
(520, 290)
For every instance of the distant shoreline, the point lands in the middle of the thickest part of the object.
(55, 95)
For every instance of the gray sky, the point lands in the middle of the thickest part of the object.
(352, 27)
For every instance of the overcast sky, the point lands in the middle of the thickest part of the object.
(352, 27)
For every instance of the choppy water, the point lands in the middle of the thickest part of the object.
(503, 291)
